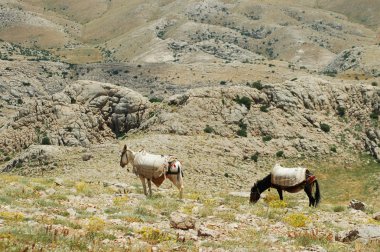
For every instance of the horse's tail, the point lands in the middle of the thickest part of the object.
(317, 195)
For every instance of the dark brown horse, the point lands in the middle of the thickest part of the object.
(307, 185)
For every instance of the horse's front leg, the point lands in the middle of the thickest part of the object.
(307, 190)
(280, 193)
(150, 187)
(178, 182)
(144, 185)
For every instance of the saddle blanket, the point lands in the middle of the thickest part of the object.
(287, 176)
(151, 165)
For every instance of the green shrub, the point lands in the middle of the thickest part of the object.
(45, 140)
(325, 127)
(256, 84)
(209, 129)
(156, 99)
(255, 157)
(267, 138)
(243, 129)
(374, 115)
(242, 132)
(331, 73)
(264, 108)
(341, 111)
(338, 208)
(280, 153)
(246, 101)
(374, 83)
(333, 148)
(223, 82)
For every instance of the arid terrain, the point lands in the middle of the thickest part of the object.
(228, 87)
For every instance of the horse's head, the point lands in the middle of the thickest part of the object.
(124, 157)
(255, 194)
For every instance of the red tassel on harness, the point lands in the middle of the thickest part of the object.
(311, 179)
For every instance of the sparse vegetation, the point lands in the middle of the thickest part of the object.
(331, 73)
(280, 153)
(45, 140)
(325, 127)
(267, 138)
(341, 111)
(339, 208)
(255, 157)
(156, 99)
(243, 129)
(374, 115)
(209, 129)
(264, 108)
(257, 84)
(246, 101)
(297, 220)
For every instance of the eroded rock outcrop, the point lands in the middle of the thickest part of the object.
(309, 115)
(84, 112)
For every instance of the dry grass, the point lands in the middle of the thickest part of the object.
(80, 55)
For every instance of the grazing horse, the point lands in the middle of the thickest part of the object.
(288, 179)
(153, 168)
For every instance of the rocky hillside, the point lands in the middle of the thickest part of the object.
(228, 87)
(191, 31)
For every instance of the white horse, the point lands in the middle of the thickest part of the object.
(154, 168)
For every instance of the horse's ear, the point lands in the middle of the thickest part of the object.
(125, 147)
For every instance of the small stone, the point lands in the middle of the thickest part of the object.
(91, 209)
(58, 181)
(87, 156)
(204, 232)
(50, 191)
(376, 216)
(71, 212)
(182, 221)
(240, 194)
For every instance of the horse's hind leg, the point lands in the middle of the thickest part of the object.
(307, 190)
(280, 194)
(150, 187)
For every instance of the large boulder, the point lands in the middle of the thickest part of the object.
(365, 233)
(35, 155)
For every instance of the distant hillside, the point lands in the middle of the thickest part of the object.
(361, 11)
(298, 32)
